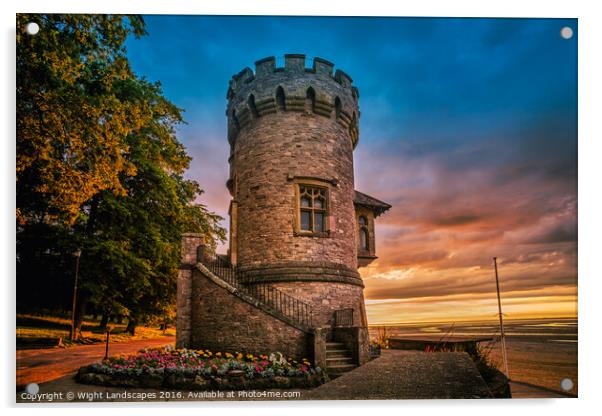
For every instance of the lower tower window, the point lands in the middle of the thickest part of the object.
(312, 209)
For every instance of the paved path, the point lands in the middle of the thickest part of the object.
(401, 374)
(38, 366)
(522, 390)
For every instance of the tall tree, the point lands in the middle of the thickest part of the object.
(99, 167)
(134, 239)
(71, 126)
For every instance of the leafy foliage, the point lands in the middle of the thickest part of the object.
(71, 124)
(99, 167)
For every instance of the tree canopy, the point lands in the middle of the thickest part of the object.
(100, 168)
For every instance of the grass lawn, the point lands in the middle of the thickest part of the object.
(53, 327)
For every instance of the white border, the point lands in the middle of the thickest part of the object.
(590, 175)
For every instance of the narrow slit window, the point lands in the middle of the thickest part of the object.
(364, 239)
(364, 235)
(252, 106)
(280, 99)
(310, 100)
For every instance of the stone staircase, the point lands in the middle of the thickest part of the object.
(338, 359)
(275, 300)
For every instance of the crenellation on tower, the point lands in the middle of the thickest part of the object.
(295, 79)
(294, 62)
(322, 66)
(265, 67)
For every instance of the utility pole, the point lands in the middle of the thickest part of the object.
(499, 306)
(77, 255)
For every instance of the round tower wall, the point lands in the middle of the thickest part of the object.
(283, 137)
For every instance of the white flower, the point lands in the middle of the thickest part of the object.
(277, 357)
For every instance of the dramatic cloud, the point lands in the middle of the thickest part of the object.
(468, 128)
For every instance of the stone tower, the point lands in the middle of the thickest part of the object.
(298, 228)
(292, 132)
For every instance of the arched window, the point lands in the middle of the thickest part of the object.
(337, 107)
(310, 100)
(252, 106)
(364, 235)
(280, 99)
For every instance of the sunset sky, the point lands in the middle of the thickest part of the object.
(468, 128)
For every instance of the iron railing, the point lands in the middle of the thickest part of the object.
(343, 317)
(269, 296)
(221, 268)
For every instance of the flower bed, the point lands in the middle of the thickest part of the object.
(201, 370)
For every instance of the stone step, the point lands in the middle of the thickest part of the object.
(338, 361)
(335, 346)
(337, 353)
(337, 370)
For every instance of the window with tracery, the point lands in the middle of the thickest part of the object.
(313, 209)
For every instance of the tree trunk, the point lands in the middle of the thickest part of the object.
(80, 312)
(104, 321)
(131, 328)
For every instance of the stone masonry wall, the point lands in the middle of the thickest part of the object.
(224, 322)
(325, 298)
(275, 148)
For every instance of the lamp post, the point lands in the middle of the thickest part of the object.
(109, 328)
(77, 255)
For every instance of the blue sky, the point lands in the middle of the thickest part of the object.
(468, 128)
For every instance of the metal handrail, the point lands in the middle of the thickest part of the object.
(275, 299)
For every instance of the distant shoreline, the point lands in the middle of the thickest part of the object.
(490, 320)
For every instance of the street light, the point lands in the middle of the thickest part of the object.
(77, 255)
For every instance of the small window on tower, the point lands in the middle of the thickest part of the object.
(364, 234)
(313, 209)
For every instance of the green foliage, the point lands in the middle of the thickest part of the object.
(71, 124)
(99, 167)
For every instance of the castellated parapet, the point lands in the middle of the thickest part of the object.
(292, 132)
(252, 95)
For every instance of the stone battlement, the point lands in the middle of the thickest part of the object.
(294, 87)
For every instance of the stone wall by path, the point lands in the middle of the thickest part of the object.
(224, 321)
